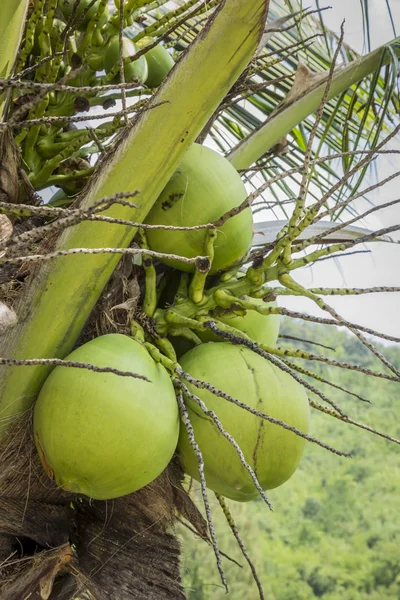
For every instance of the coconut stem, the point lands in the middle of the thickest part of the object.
(137, 331)
(30, 34)
(350, 421)
(165, 361)
(182, 292)
(196, 288)
(186, 333)
(189, 428)
(234, 529)
(150, 297)
(289, 282)
(91, 27)
(166, 348)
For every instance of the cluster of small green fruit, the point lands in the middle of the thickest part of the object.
(78, 46)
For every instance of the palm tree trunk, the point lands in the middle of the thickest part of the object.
(60, 546)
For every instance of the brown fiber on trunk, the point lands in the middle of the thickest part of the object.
(58, 546)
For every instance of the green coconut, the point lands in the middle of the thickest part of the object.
(66, 7)
(263, 329)
(203, 188)
(133, 71)
(104, 435)
(160, 63)
(273, 453)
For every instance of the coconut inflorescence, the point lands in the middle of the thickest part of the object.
(83, 12)
(101, 434)
(199, 193)
(55, 33)
(263, 329)
(105, 435)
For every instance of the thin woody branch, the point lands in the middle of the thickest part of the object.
(189, 428)
(235, 531)
(221, 394)
(290, 283)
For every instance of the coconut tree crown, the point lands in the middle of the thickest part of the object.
(167, 128)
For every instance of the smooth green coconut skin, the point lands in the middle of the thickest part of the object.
(263, 329)
(202, 189)
(273, 452)
(159, 62)
(66, 8)
(133, 71)
(101, 434)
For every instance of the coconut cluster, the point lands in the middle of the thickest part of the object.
(146, 63)
(107, 434)
(150, 68)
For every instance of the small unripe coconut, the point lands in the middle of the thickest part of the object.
(95, 60)
(57, 28)
(263, 329)
(203, 188)
(272, 451)
(133, 71)
(101, 434)
(160, 63)
(66, 8)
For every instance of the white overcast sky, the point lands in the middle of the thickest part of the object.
(382, 267)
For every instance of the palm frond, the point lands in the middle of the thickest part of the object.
(295, 41)
(351, 122)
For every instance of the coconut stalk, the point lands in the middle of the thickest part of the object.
(305, 98)
(12, 21)
(62, 293)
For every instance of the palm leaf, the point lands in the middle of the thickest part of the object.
(267, 232)
(11, 28)
(355, 120)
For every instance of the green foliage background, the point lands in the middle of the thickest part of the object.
(335, 530)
